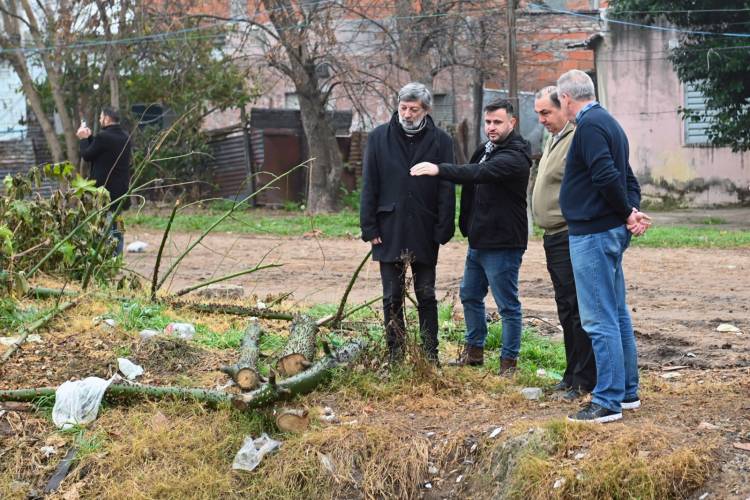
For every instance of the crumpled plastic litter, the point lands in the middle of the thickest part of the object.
(184, 331)
(129, 369)
(77, 402)
(137, 247)
(253, 451)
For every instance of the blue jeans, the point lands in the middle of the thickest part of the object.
(498, 270)
(600, 286)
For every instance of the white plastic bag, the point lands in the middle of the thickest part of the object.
(77, 402)
(137, 247)
(129, 369)
(253, 451)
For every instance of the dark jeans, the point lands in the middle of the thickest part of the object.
(581, 366)
(496, 270)
(393, 276)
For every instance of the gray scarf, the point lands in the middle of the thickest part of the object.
(414, 129)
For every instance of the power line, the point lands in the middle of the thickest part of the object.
(645, 26)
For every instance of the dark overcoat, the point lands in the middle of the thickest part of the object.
(109, 153)
(410, 214)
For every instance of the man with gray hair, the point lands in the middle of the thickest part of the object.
(580, 370)
(600, 200)
(405, 218)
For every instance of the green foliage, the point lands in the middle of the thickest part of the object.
(334, 225)
(13, 317)
(694, 237)
(716, 65)
(135, 316)
(65, 226)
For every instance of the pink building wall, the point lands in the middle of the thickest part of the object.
(637, 84)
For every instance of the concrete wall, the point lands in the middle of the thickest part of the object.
(638, 85)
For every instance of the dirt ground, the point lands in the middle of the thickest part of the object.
(678, 297)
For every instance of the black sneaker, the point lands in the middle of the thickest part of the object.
(631, 403)
(573, 394)
(561, 386)
(592, 412)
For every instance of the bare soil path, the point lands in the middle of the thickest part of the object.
(678, 297)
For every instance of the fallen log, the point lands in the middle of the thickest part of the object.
(245, 372)
(291, 420)
(302, 383)
(299, 352)
(266, 394)
(230, 309)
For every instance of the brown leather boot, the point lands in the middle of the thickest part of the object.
(507, 366)
(470, 356)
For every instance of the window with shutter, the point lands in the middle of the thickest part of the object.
(696, 128)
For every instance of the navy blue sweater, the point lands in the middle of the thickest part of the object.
(599, 189)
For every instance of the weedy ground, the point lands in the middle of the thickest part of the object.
(405, 431)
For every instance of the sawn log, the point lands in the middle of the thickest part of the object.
(245, 372)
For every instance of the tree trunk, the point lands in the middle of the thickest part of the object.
(18, 62)
(52, 67)
(300, 349)
(325, 170)
(245, 372)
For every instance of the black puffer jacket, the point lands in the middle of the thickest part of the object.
(410, 214)
(109, 153)
(493, 198)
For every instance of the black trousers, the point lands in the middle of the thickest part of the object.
(581, 366)
(393, 276)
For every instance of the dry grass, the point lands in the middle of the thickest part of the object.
(563, 460)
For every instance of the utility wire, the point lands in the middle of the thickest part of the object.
(639, 25)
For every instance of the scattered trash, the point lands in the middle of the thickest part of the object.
(260, 305)
(222, 291)
(703, 496)
(559, 483)
(253, 451)
(579, 455)
(428, 486)
(328, 410)
(184, 331)
(129, 369)
(670, 375)
(742, 446)
(429, 435)
(496, 432)
(473, 448)
(110, 322)
(137, 247)
(690, 355)
(8, 341)
(77, 402)
(147, 334)
(541, 372)
(48, 451)
(531, 393)
(432, 470)
(707, 426)
(727, 328)
(459, 478)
